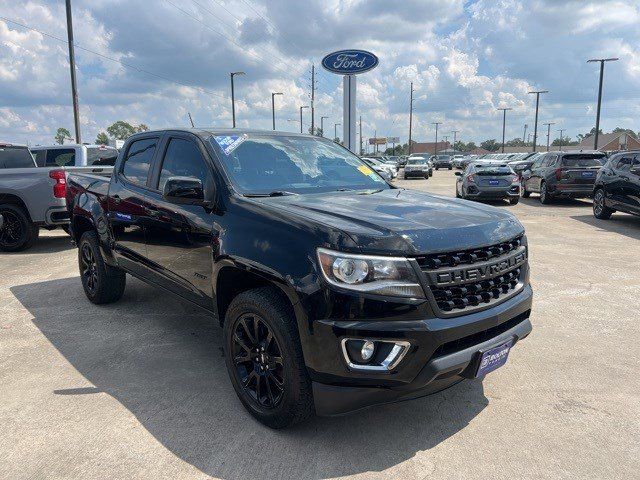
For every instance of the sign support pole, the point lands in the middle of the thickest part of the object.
(349, 112)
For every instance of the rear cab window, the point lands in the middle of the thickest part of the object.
(101, 155)
(61, 157)
(136, 165)
(14, 156)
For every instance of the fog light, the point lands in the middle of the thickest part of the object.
(367, 350)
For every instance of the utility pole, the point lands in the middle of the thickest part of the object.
(548, 125)
(524, 135)
(335, 130)
(435, 147)
(446, 139)
(375, 144)
(455, 132)
(72, 67)
(561, 137)
(273, 108)
(191, 120)
(233, 103)
(303, 106)
(322, 124)
(504, 121)
(360, 134)
(410, 116)
(601, 60)
(313, 97)
(529, 138)
(535, 127)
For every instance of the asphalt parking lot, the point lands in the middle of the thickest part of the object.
(138, 389)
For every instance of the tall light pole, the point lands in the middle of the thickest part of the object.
(548, 125)
(273, 107)
(561, 137)
(601, 60)
(410, 115)
(435, 147)
(303, 106)
(72, 67)
(322, 124)
(360, 151)
(446, 139)
(524, 135)
(504, 121)
(535, 126)
(233, 103)
(335, 130)
(455, 132)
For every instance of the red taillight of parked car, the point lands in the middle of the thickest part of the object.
(558, 174)
(60, 187)
(471, 179)
(515, 179)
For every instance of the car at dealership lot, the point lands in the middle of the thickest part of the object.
(387, 171)
(442, 161)
(74, 155)
(488, 181)
(417, 166)
(562, 174)
(31, 198)
(335, 290)
(617, 186)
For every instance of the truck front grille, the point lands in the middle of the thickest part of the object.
(462, 281)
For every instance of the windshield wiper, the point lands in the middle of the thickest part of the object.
(275, 193)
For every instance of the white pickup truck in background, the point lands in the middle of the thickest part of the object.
(31, 197)
(74, 155)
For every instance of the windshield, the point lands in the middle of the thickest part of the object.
(101, 155)
(416, 161)
(15, 157)
(583, 160)
(263, 164)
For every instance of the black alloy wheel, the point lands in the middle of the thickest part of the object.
(544, 194)
(258, 362)
(17, 231)
(88, 268)
(12, 231)
(600, 210)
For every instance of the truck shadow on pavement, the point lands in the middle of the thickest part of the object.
(162, 360)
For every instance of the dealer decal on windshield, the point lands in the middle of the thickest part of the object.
(365, 170)
(228, 143)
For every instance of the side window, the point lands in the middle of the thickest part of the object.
(553, 160)
(41, 157)
(183, 159)
(624, 164)
(138, 160)
(60, 157)
(538, 162)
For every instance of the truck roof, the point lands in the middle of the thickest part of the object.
(205, 131)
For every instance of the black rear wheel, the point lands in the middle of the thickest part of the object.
(17, 232)
(545, 198)
(525, 192)
(264, 358)
(600, 210)
(101, 282)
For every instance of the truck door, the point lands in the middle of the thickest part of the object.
(128, 203)
(179, 236)
(632, 193)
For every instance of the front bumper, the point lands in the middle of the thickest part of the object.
(416, 173)
(442, 352)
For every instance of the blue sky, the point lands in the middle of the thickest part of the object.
(466, 59)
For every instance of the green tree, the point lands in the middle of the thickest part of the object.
(121, 130)
(490, 145)
(516, 142)
(61, 134)
(102, 139)
(142, 128)
(624, 130)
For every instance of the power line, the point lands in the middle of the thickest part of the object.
(106, 57)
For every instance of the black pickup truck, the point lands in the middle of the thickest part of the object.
(334, 290)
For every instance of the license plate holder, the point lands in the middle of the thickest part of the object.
(588, 174)
(494, 183)
(493, 358)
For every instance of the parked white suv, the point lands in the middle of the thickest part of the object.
(74, 155)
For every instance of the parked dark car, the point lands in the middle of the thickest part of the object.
(562, 174)
(488, 181)
(442, 161)
(417, 167)
(334, 290)
(617, 186)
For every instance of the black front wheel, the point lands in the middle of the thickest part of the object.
(264, 358)
(17, 232)
(600, 210)
(101, 282)
(545, 198)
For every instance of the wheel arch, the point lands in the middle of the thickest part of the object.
(11, 199)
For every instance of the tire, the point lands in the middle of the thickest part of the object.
(600, 210)
(525, 192)
(545, 198)
(437, 168)
(277, 393)
(514, 201)
(18, 231)
(457, 194)
(101, 282)
(450, 168)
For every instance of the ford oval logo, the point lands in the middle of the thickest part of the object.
(350, 62)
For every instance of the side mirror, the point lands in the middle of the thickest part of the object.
(458, 174)
(186, 190)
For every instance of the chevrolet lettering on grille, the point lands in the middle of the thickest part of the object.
(478, 271)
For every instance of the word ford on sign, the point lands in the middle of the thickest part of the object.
(350, 62)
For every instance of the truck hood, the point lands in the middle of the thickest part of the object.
(405, 222)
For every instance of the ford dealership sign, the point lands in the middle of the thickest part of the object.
(350, 62)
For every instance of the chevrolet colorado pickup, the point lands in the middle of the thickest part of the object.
(335, 291)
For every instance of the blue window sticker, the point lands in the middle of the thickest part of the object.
(228, 143)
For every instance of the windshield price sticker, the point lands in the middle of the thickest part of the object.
(228, 143)
(365, 170)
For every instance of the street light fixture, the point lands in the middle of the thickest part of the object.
(535, 127)
(322, 124)
(303, 106)
(273, 108)
(601, 60)
(504, 121)
(233, 103)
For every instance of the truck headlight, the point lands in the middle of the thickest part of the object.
(391, 276)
